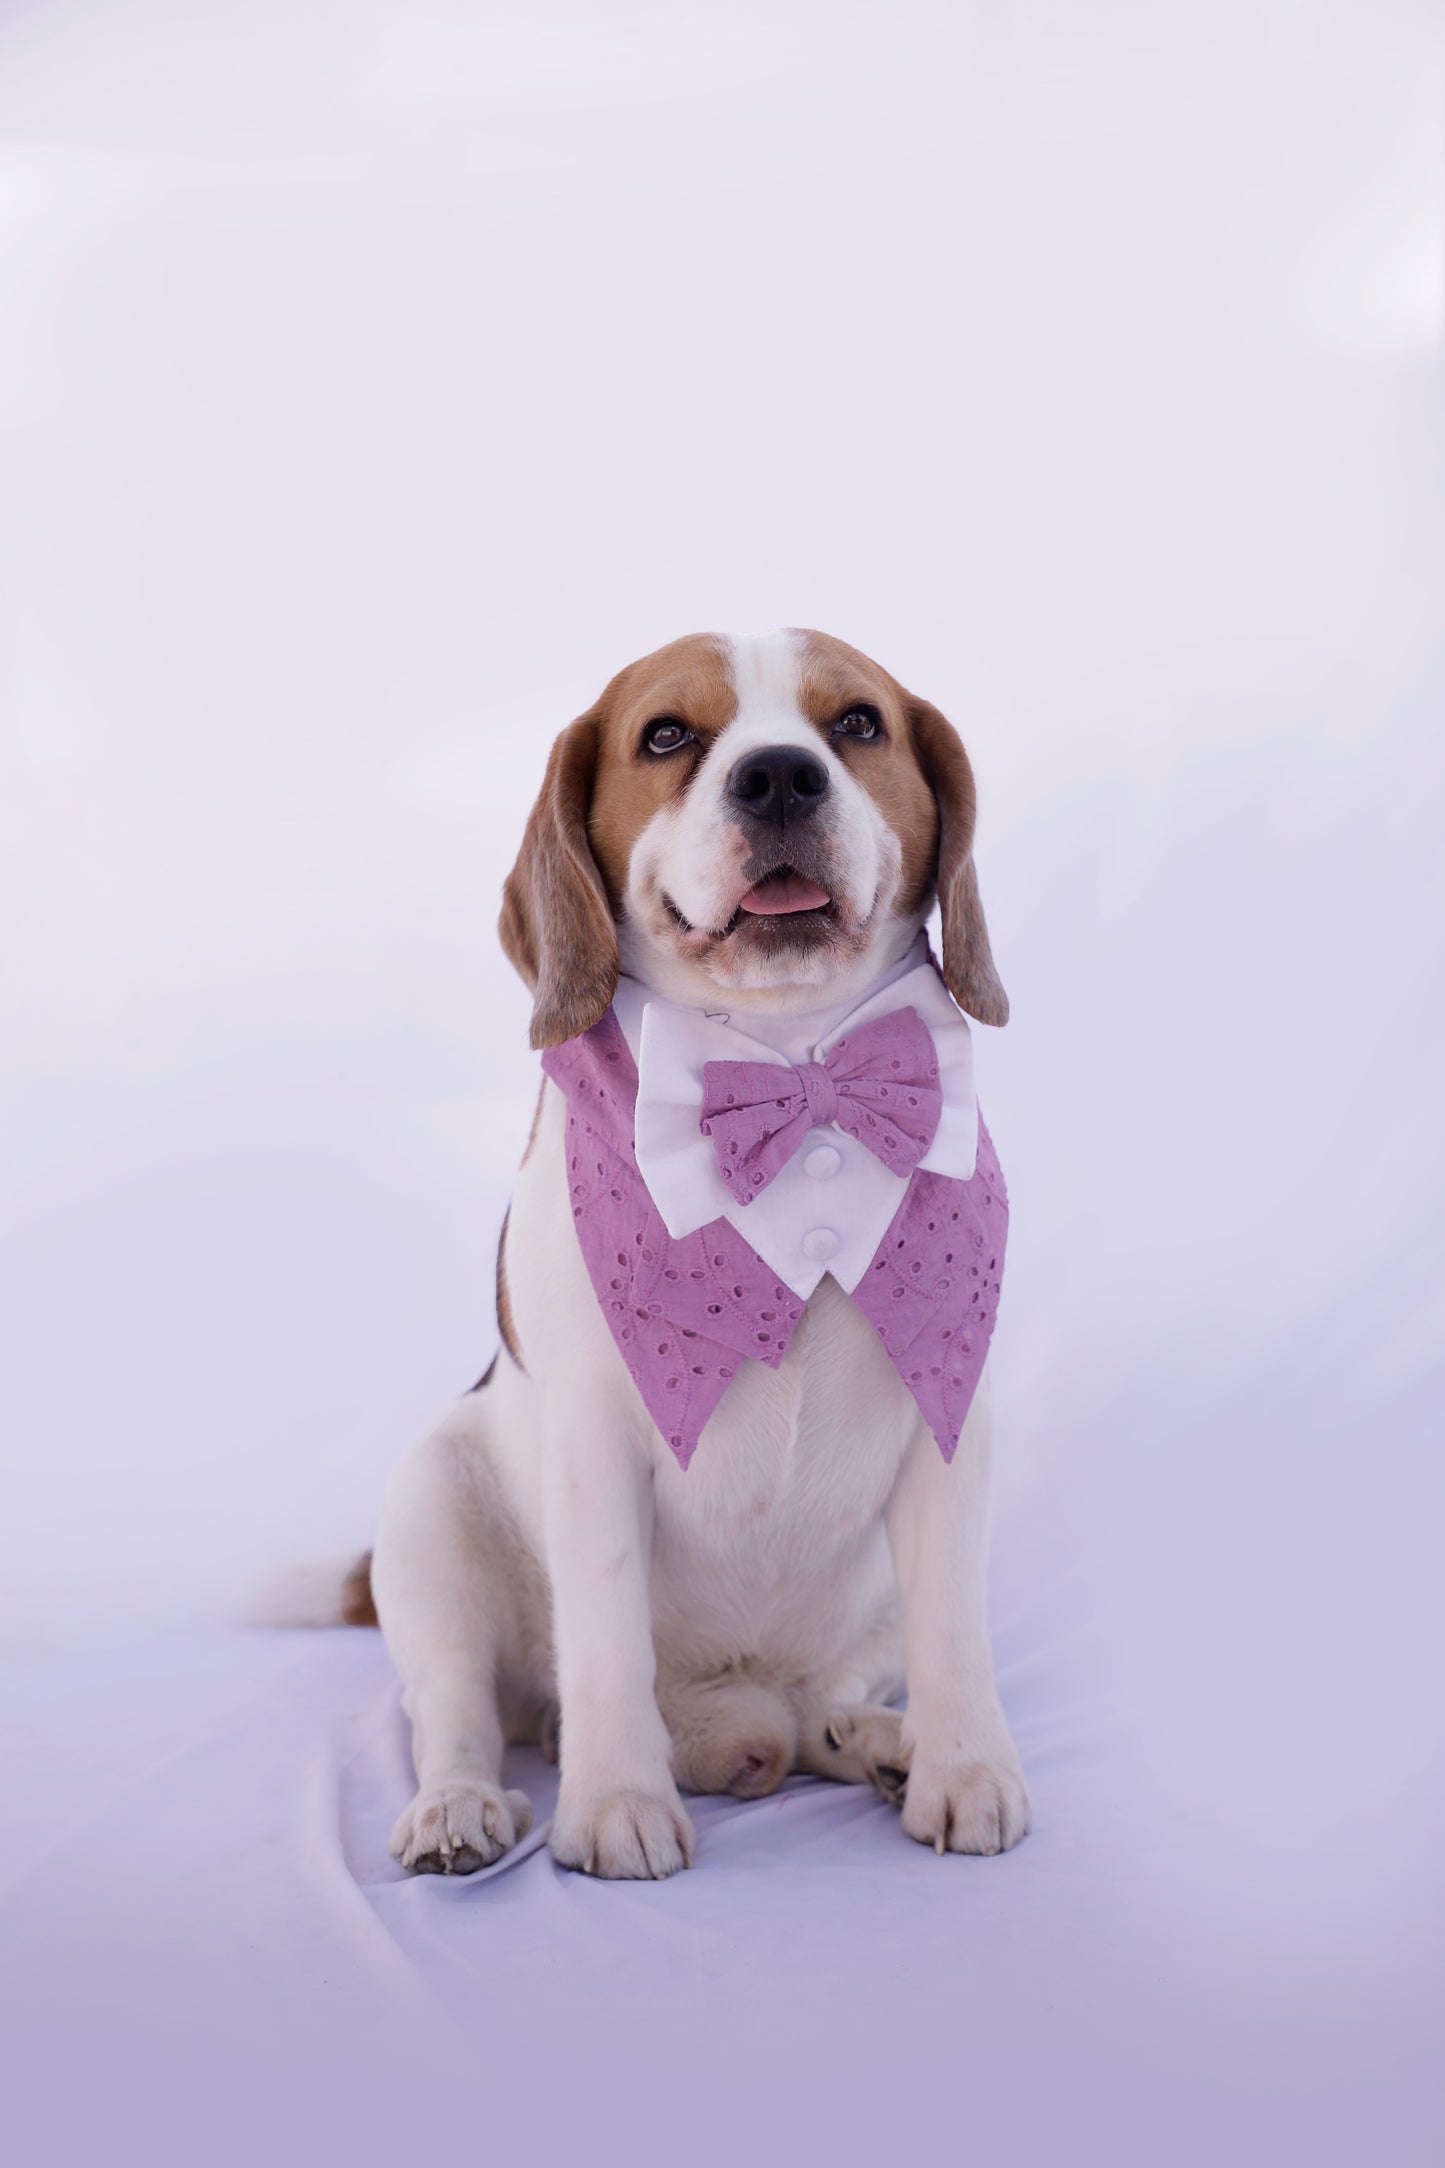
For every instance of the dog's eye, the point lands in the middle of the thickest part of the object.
(859, 721)
(666, 734)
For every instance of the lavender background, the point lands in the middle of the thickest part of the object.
(374, 381)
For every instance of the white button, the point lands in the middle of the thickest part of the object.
(823, 1160)
(819, 1244)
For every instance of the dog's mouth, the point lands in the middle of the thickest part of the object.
(783, 901)
(784, 894)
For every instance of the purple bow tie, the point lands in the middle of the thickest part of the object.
(879, 1084)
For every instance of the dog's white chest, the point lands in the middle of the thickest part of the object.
(821, 1436)
(773, 1538)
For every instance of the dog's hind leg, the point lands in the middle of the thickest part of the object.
(730, 1732)
(452, 1586)
(845, 1728)
(857, 1743)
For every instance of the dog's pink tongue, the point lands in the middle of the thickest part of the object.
(783, 892)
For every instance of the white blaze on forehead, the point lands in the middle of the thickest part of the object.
(765, 673)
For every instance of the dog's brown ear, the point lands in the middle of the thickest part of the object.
(968, 966)
(557, 925)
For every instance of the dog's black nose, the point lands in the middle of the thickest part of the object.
(778, 784)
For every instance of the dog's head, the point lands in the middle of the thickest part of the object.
(768, 819)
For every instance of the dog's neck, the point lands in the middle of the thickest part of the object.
(794, 1031)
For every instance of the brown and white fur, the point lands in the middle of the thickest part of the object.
(541, 1554)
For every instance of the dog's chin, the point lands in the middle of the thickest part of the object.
(787, 933)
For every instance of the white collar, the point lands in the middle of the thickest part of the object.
(831, 1205)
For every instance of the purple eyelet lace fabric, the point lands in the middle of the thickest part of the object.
(685, 1313)
(879, 1084)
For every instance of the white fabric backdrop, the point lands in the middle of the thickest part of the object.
(373, 383)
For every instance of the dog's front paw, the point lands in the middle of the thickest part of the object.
(627, 1836)
(977, 1806)
(457, 1828)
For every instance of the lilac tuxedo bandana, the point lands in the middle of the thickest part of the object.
(686, 1312)
(878, 1084)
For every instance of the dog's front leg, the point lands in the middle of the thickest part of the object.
(618, 1810)
(966, 1790)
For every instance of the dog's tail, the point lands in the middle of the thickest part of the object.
(323, 1592)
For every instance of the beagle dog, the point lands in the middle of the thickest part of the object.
(735, 849)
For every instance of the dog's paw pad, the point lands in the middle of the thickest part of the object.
(890, 1783)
